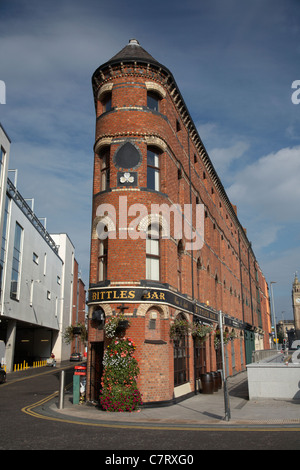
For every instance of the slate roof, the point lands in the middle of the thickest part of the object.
(132, 50)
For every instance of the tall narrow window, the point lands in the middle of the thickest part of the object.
(153, 169)
(16, 263)
(153, 100)
(106, 102)
(105, 169)
(198, 278)
(180, 251)
(152, 253)
(45, 264)
(102, 260)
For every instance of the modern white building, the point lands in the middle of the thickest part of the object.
(68, 283)
(37, 271)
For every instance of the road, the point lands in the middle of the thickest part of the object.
(21, 431)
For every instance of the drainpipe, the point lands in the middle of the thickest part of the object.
(192, 258)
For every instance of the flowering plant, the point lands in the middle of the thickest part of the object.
(200, 332)
(119, 387)
(110, 327)
(112, 324)
(179, 328)
(217, 340)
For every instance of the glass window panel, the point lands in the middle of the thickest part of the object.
(152, 101)
(152, 247)
(152, 158)
(156, 181)
(152, 269)
(107, 102)
(152, 179)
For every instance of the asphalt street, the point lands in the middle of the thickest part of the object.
(31, 420)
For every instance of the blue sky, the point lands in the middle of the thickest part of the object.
(234, 62)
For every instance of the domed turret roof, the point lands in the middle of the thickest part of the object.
(133, 51)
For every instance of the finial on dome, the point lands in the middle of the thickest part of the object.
(133, 42)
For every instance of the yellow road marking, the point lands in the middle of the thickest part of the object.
(29, 410)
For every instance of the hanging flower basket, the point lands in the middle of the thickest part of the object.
(200, 332)
(72, 331)
(178, 329)
(217, 340)
(232, 335)
(116, 325)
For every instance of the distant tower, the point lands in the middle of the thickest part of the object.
(296, 305)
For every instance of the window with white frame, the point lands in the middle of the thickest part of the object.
(102, 260)
(153, 252)
(153, 169)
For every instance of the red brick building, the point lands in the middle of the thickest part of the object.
(150, 168)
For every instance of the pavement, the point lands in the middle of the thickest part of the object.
(201, 410)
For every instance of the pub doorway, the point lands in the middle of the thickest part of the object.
(96, 369)
(199, 361)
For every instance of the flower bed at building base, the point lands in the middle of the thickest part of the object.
(120, 399)
(119, 380)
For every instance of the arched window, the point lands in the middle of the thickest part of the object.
(153, 252)
(153, 169)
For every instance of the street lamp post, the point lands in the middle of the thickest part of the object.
(226, 396)
(274, 317)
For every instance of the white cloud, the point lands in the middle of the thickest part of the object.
(223, 158)
(270, 186)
